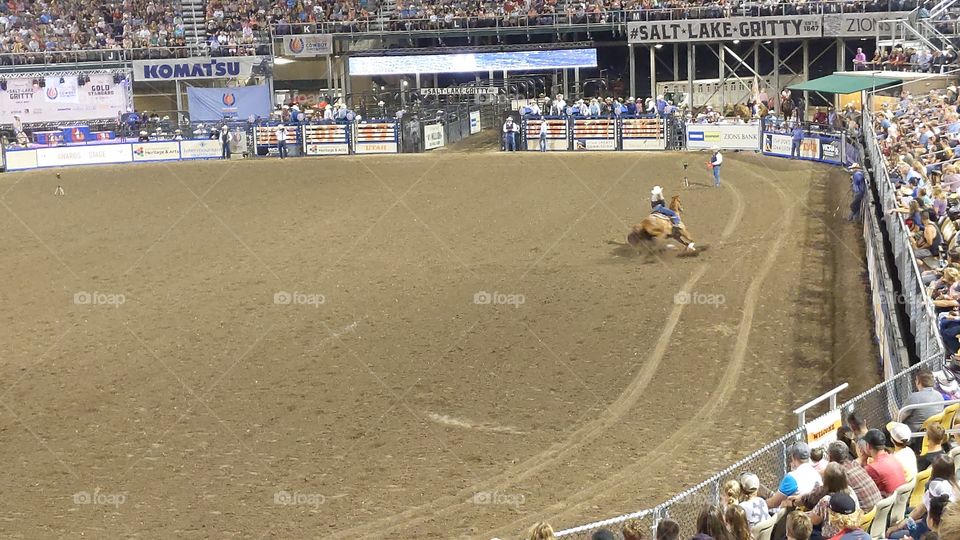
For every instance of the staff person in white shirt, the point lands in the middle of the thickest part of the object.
(281, 133)
(715, 162)
(543, 134)
(510, 131)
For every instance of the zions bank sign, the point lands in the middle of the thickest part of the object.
(197, 68)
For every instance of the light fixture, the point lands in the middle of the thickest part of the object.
(658, 46)
(280, 61)
(736, 42)
(767, 42)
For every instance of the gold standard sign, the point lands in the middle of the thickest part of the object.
(799, 26)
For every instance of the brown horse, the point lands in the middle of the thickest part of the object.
(658, 227)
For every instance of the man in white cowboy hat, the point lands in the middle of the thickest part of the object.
(510, 132)
(659, 206)
(715, 162)
(858, 185)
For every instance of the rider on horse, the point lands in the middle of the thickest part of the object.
(659, 205)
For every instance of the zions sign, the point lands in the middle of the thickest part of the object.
(195, 68)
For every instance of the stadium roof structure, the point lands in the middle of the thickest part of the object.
(846, 84)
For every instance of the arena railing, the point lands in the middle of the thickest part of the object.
(603, 20)
(916, 301)
(15, 61)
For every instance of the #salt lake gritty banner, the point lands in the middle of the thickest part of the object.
(214, 104)
(308, 45)
(100, 98)
(798, 26)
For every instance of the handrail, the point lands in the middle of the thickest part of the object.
(604, 18)
(921, 405)
(801, 411)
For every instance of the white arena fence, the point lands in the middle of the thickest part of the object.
(875, 406)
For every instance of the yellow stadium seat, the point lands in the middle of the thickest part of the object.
(935, 419)
(867, 519)
(948, 414)
(916, 497)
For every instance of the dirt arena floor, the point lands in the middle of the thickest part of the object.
(451, 345)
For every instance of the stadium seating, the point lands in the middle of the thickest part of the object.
(920, 485)
(878, 528)
(901, 498)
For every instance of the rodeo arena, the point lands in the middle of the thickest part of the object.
(527, 270)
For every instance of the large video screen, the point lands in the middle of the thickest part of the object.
(471, 62)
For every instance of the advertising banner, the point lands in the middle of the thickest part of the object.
(831, 150)
(19, 160)
(156, 151)
(474, 122)
(239, 67)
(859, 24)
(200, 149)
(557, 135)
(595, 134)
(460, 91)
(823, 430)
(728, 29)
(215, 104)
(83, 155)
(376, 138)
(433, 136)
(726, 137)
(325, 139)
(61, 89)
(100, 98)
(777, 144)
(308, 45)
(642, 134)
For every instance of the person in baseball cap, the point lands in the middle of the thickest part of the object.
(885, 470)
(753, 505)
(900, 437)
(845, 517)
(802, 479)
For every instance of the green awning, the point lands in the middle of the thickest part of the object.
(846, 84)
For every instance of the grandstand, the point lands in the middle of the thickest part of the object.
(464, 341)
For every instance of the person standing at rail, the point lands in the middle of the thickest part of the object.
(281, 133)
(543, 134)
(796, 139)
(858, 185)
(510, 130)
(225, 141)
(715, 162)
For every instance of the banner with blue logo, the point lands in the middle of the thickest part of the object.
(214, 104)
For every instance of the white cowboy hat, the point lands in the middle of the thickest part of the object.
(657, 190)
(716, 148)
(855, 166)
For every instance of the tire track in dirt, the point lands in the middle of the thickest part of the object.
(580, 437)
(685, 433)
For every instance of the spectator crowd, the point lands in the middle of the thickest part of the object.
(29, 28)
(920, 139)
(846, 489)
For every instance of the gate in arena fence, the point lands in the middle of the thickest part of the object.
(595, 133)
(328, 139)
